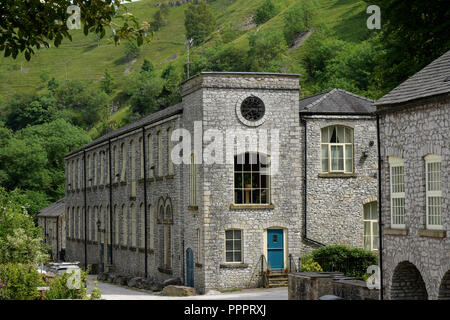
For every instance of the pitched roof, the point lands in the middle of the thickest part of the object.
(157, 116)
(336, 101)
(54, 210)
(432, 80)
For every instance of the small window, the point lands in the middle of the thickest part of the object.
(337, 149)
(433, 191)
(233, 246)
(371, 226)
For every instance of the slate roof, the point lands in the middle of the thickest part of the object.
(429, 81)
(157, 116)
(336, 101)
(54, 210)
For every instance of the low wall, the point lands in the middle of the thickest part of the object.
(313, 285)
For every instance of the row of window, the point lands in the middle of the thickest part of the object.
(97, 163)
(433, 191)
(128, 227)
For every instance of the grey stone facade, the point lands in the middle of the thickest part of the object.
(212, 100)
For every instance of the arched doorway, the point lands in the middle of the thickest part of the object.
(444, 289)
(407, 283)
(190, 268)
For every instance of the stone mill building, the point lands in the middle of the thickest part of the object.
(241, 172)
(415, 181)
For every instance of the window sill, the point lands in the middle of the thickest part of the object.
(337, 175)
(159, 178)
(165, 270)
(234, 266)
(142, 250)
(440, 234)
(170, 176)
(252, 206)
(395, 232)
(123, 182)
(193, 208)
(141, 180)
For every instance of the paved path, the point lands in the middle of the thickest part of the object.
(115, 292)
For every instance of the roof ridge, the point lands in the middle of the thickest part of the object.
(325, 95)
(355, 95)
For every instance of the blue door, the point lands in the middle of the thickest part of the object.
(190, 268)
(275, 252)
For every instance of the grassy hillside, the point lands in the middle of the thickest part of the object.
(86, 57)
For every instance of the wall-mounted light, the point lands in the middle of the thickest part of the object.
(371, 143)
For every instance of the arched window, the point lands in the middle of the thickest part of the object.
(116, 225)
(133, 169)
(160, 154)
(116, 165)
(94, 164)
(133, 231)
(101, 212)
(74, 172)
(162, 235)
(141, 158)
(337, 149)
(168, 236)
(123, 150)
(142, 226)
(397, 180)
(79, 174)
(78, 223)
(124, 226)
(193, 182)
(371, 226)
(89, 173)
(251, 179)
(96, 218)
(102, 166)
(89, 226)
(169, 152)
(151, 171)
(151, 211)
(433, 191)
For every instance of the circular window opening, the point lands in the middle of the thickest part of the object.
(253, 109)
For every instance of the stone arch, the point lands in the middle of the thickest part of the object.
(444, 288)
(407, 283)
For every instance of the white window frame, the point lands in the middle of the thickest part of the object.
(373, 224)
(329, 145)
(430, 159)
(242, 246)
(395, 162)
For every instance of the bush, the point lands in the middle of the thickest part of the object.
(59, 288)
(310, 266)
(353, 262)
(19, 282)
(265, 12)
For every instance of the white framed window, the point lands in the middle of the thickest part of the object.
(233, 246)
(433, 191)
(193, 182)
(371, 235)
(336, 149)
(397, 179)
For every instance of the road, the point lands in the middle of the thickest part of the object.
(115, 292)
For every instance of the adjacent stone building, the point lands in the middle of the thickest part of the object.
(52, 220)
(415, 182)
(236, 193)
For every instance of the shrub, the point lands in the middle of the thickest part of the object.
(265, 12)
(353, 262)
(60, 289)
(19, 282)
(95, 293)
(310, 266)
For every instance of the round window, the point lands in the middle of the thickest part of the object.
(253, 109)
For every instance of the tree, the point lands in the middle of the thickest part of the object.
(44, 75)
(199, 22)
(298, 19)
(413, 34)
(147, 66)
(265, 12)
(131, 50)
(144, 89)
(107, 82)
(267, 51)
(29, 25)
(160, 18)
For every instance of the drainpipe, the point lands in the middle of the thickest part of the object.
(110, 205)
(57, 238)
(305, 186)
(380, 217)
(85, 210)
(144, 158)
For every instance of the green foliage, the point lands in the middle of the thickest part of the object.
(160, 18)
(131, 50)
(30, 25)
(199, 22)
(267, 52)
(95, 293)
(309, 265)
(20, 239)
(147, 66)
(44, 75)
(413, 34)
(353, 262)
(265, 12)
(19, 282)
(297, 19)
(60, 290)
(107, 83)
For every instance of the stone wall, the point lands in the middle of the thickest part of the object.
(412, 133)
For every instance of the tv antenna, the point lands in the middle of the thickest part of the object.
(189, 44)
